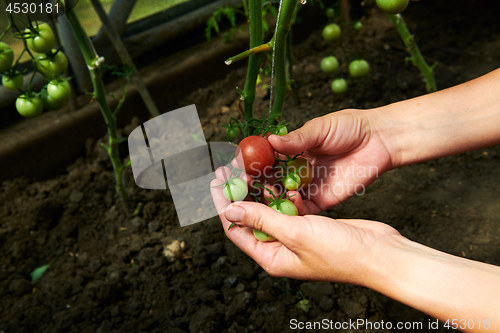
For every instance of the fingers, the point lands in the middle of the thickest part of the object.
(261, 217)
(307, 137)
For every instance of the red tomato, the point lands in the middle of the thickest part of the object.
(257, 154)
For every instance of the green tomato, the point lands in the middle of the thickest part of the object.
(358, 25)
(339, 86)
(282, 130)
(331, 32)
(51, 65)
(329, 64)
(48, 102)
(232, 132)
(330, 12)
(236, 189)
(6, 57)
(13, 82)
(262, 236)
(59, 90)
(292, 181)
(392, 6)
(42, 40)
(286, 207)
(29, 105)
(359, 68)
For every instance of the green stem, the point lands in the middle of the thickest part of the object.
(245, 54)
(283, 25)
(415, 55)
(254, 60)
(99, 94)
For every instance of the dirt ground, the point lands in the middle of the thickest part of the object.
(108, 270)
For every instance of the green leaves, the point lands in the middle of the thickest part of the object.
(213, 21)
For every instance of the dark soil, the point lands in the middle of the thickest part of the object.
(110, 272)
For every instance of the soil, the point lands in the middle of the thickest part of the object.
(112, 271)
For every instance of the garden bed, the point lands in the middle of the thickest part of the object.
(109, 270)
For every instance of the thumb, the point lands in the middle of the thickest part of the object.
(261, 217)
(309, 136)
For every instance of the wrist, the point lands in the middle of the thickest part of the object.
(385, 125)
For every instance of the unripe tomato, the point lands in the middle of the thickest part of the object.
(339, 86)
(392, 6)
(358, 25)
(282, 130)
(285, 207)
(301, 167)
(29, 105)
(331, 32)
(42, 40)
(329, 64)
(13, 82)
(48, 102)
(232, 132)
(236, 189)
(292, 181)
(6, 57)
(359, 68)
(262, 236)
(59, 90)
(51, 65)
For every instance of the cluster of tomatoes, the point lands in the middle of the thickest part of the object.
(263, 164)
(357, 68)
(49, 62)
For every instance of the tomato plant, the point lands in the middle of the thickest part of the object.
(29, 105)
(257, 154)
(236, 189)
(359, 68)
(329, 64)
(13, 81)
(40, 37)
(392, 6)
(331, 32)
(6, 57)
(51, 65)
(339, 86)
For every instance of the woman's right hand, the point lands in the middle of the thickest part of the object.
(346, 152)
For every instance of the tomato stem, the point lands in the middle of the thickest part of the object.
(93, 62)
(254, 60)
(416, 56)
(283, 25)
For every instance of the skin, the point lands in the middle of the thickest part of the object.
(370, 253)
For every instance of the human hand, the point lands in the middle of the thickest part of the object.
(347, 154)
(307, 247)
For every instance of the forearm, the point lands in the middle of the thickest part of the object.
(451, 121)
(444, 286)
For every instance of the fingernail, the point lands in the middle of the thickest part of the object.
(284, 138)
(235, 213)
